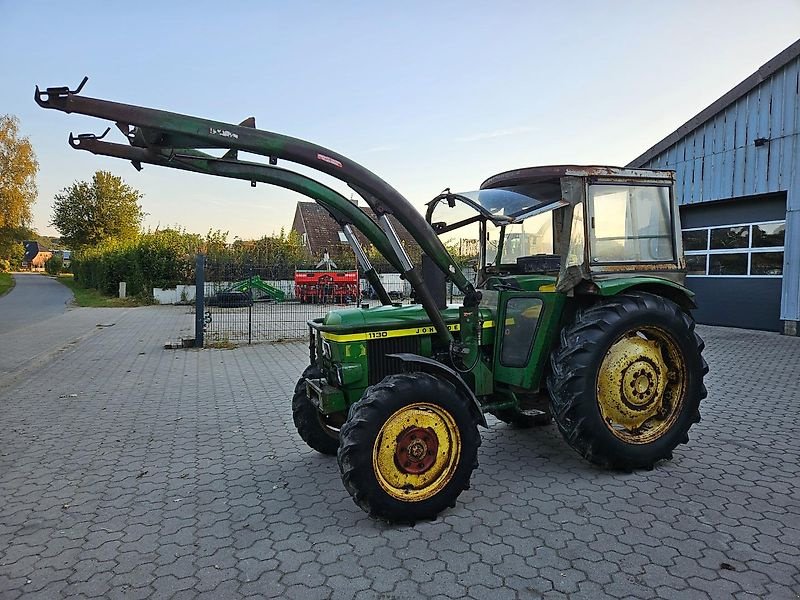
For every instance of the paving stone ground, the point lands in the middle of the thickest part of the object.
(131, 471)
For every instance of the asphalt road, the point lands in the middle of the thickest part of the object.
(33, 299)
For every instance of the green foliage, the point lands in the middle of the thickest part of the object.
(83, 296)
(11, 248)
(89, 214)
(18, 168)
(6, 282)
(5, 265)
(154, 259)
(283, 250)
(463, 251)
(54, 265)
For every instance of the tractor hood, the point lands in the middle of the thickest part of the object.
(385, 317)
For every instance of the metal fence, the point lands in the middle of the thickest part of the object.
(246, 303)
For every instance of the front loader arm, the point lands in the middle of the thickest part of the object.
(344, 212)
(158, 129)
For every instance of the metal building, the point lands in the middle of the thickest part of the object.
(738, 185)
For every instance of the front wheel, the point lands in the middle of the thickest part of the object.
(320, 432)
(408, 447)
(627, 380)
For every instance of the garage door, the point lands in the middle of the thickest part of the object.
(734, 256)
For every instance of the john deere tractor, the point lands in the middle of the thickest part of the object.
(578, 313)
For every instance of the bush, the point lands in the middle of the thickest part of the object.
(5, 265)
(54, 265)
(154, 259)
(16, 254)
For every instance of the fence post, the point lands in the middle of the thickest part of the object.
(199, 299)
(250, 304)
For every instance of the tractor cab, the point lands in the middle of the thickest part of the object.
(553, 239)
(566, 226)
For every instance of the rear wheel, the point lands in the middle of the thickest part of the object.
(408, 447)
(320, 432)
(627, 380)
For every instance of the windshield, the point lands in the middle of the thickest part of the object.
(532, 236)
(515, 201)
(524, 211)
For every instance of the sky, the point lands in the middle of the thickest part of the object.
(427, 95)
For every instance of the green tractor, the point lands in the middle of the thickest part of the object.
(583, 320)
(578, 314)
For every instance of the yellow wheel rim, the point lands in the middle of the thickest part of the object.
(416, 452)
(641, 385)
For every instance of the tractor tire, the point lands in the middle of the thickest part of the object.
(627, 381)
(520, 419)
(408, 448)
(309, 422)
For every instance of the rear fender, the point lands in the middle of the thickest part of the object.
(428, 365)
(679, 294)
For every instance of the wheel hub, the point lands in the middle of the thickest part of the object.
(633, 382)
(640, 383)
(416, 452)
(416, 449)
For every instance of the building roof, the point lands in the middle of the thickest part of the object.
(322, 230)
(763, 73)
(31, 250)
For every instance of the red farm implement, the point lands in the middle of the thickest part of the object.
(327, 287)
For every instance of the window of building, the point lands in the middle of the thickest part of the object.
(744, 250)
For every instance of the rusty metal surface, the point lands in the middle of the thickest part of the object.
(529, 175)
(640, 392)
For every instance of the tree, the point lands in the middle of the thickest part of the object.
(54, 264)
(18, 168)
(87, 214)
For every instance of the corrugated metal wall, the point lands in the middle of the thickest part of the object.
(720, 160)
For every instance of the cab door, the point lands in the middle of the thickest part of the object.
(526, 325)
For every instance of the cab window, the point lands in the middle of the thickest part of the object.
(630, 223)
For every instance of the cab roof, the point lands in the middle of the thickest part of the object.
(552, 173)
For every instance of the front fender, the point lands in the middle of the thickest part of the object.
(436, 368)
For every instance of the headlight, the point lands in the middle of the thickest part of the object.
(348, 374)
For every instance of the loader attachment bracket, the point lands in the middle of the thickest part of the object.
(76, 140)
(43, 97)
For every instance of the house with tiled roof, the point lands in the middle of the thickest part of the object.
(320, 232)
(35, 256)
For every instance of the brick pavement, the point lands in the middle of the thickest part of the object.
(130, 471)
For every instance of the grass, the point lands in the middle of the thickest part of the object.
(224, 344)
(6, 283)
(93, 298)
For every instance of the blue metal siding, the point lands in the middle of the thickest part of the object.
(719, 160)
